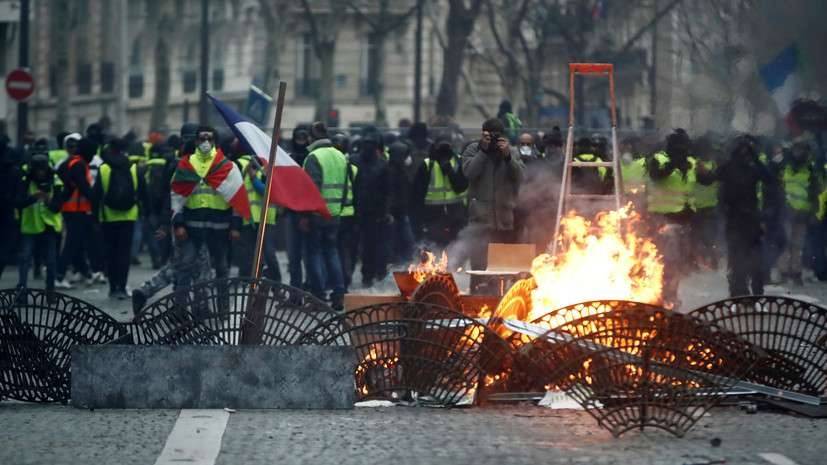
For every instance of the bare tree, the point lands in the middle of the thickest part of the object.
(61, 38)
(324, 28)
(382, 21)
(160, 23)
(462, 15)
(470, 86)
(524, 32)
(272, 13)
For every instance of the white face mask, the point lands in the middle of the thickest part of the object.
(409, 161)
(205, 146)
(627, 157)
(525, 151)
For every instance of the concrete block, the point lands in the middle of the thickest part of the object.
(244, 377)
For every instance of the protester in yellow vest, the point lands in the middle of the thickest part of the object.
(671, 205)
(328, 168)
(588, 180)
(705, 196)
(39, 198)
(801, 187)
(255, 184)
(206, 218)
(440, 194)
(68, 144)
(117, 194)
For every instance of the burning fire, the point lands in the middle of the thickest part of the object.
(429, 266)
(601, 260)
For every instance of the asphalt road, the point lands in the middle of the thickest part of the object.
(54, 434)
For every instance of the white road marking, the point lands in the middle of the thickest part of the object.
(776, 459)
(195, 438)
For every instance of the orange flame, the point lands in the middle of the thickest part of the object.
(601, 260)
(429, 266)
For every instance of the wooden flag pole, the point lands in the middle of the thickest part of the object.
(252, 328)
(265, 209)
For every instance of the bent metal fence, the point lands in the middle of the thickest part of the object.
(792, 332)
(628, 364)
(415, 352)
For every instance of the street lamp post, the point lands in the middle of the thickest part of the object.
(418, 63)
(203, 104)
(23, 60)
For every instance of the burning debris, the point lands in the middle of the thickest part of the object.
(604, 259)
(429, 266)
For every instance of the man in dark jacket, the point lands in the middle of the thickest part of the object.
(399, 154)
(373, 208)
(495, 173)
(295, 236)
(117, 194)
(9, 175)
(741, 180)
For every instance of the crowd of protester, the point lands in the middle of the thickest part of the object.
(82, 207)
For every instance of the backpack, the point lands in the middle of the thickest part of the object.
(157, 181)
(121, 192)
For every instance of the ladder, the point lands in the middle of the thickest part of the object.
(566, 197)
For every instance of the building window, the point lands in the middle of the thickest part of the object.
(368, 61)
(136, 85)
(107, 77)
(189, 81)
(217, 79)
(83, 78)
(307, 68)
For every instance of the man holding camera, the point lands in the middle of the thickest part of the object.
(494, 172)
(439, 193)
(39, 199)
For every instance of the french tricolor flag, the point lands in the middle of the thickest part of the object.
(780, 76)
(292, 187)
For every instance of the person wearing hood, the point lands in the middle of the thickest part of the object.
(295, 236)
(420, 147)
(742, 179)
(401, 187)
(439, 194)
(801, 185)
(528, 151)
(328, 168)
(118, 192)
(180, 270)
(495, 174)
(39, 197)
(77, 213)
(9, 179)
(373, 212)
(206, 218)
(510, 121)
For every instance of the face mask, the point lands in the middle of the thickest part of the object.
(205, 146)
(627, 157)
(409, 161)
(525, 151)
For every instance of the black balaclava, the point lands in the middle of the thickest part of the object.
(87, 148)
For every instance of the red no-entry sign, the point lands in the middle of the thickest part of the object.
(20, 84)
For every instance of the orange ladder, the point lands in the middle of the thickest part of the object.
(594, 69)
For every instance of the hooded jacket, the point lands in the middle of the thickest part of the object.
(493, 186)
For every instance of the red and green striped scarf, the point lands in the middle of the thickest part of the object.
(223, 176)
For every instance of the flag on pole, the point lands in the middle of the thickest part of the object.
(292, 186)
(781, 78)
